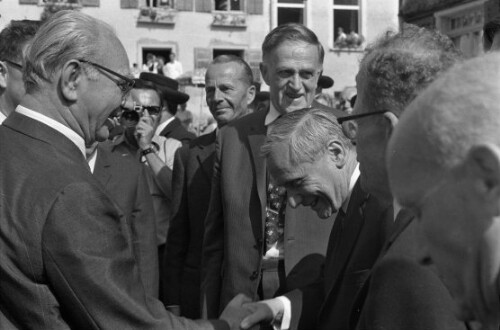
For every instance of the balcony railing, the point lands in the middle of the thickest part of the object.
(229, 19)
(157, 15)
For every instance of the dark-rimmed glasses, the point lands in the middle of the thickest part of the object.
(137, 112)
(126, 84)
(14, 64)
(349, 125)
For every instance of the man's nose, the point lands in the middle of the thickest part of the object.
(295, 82)
(218, 95)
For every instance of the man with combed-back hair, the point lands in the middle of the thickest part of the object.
(229, 91)
(310, 156)
(66, 254)
(254, 243)
(13, 41)
(444, 164)
(401, 293)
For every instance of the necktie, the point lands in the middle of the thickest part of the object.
(275, 214)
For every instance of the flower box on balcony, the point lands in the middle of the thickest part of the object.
(157, 15)
(229, 19)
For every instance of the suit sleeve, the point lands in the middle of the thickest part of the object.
(406, 295)
(213, 244)
(143, 226)
(178, 234)
(90, 267)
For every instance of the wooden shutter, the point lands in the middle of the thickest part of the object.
(28, 2)
(204, 6)
(90, 3)
(129, 3)
(255, 7)
(253, 58)
(185, 5)
(202, 58)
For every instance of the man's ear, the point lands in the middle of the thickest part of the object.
(71, 78)
(392, 120)
(265, 72)
(3, 75)
(482, 165)
(251, 92)
(337, 152)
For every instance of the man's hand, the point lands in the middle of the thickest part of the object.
(144, 131)
(235, 312)
(266, 311)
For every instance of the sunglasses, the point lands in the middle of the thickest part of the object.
(138, 111)
(125, 84)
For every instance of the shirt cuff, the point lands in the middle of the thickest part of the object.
(282, 310)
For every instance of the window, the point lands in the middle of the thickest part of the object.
(346, 23)
(73, 2)
(229, 5)
(158, 3)
(290, 11)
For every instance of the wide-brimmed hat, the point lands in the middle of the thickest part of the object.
(167, 86)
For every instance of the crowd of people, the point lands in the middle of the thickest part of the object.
(289, 215)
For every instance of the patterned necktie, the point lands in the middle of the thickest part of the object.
(275, 214)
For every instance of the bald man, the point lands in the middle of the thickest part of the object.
(444, 164)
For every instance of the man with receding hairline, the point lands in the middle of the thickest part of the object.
(444, 164)
(66, 250)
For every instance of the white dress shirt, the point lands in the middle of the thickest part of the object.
(2, 117)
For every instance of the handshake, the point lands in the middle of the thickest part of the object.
(242, 313)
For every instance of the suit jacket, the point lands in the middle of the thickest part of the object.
(66, 259)
(402, 293)
(124, 178)
(354, 246)
(192, 179)
(234, 240)
(175, 130)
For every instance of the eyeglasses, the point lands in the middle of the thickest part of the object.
(125, 85)
(14, 64)
(138, 111)
(349, 125)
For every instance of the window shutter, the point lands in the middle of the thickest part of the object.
(90, 3)
(202, 57)
(186, 5)
(28, 2)
(129, 3)
(255, 7)
(253, 58)
(204, 6)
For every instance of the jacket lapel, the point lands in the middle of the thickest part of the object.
(102, 170)
(256, 138)
(353, 223)
(205, 156)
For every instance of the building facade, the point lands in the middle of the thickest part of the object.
(461, 20)
(199, 30)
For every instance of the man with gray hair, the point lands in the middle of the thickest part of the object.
(66, 250)
(401, 293)
(444, 164)
(254, 243)
(13, 41)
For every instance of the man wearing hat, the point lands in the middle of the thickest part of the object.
(170, 126)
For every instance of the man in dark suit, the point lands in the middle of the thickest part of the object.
(229, 91)
(309, 155)
(448, 140)
(170, 126)
(401, 293)
(125, 180)
(254, 243)
(65, 246)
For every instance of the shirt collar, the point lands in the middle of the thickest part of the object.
(272, 115)
(397, 208)
(354, 178)
(2, 117)
(64, 130)
(162, 126)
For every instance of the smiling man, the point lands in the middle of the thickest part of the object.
(444, 164)
(66, 250)
(254, 243)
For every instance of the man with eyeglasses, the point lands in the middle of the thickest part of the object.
(66, 251)
(400, 293)
(14, 39)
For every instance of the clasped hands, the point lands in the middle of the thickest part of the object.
(242, 313)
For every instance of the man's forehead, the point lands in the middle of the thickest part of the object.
(145, 96)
